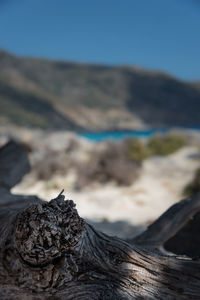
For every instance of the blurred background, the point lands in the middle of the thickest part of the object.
(105, 98)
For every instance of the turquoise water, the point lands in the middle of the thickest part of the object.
(101, 136)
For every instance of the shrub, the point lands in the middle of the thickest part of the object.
(108, 165)
(137, 151)
(49, 165)
(165, 145)
(194, 186)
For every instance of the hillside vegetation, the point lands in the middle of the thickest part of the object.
(64, 95)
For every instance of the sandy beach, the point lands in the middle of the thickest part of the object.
(116, 209)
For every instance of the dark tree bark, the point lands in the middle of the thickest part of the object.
(48, 252)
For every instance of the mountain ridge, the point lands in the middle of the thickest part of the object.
(56, 94)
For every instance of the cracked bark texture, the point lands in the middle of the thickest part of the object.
(47, 251)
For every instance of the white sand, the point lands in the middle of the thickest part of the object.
(159, 186)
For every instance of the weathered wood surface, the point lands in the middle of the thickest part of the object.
(13, 164)
(48, 252)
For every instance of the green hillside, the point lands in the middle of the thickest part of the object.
(55, 94)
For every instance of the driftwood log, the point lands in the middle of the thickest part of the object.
(47, 251)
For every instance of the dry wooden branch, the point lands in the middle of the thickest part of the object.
(47, 251)
(13, 164)
(169, 223)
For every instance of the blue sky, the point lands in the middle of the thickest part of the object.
(154, 34)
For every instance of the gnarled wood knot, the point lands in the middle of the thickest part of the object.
(46, 231)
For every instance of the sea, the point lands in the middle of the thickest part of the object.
(119, 135)
(140, 134)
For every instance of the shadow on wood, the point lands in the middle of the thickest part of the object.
(47, 251)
